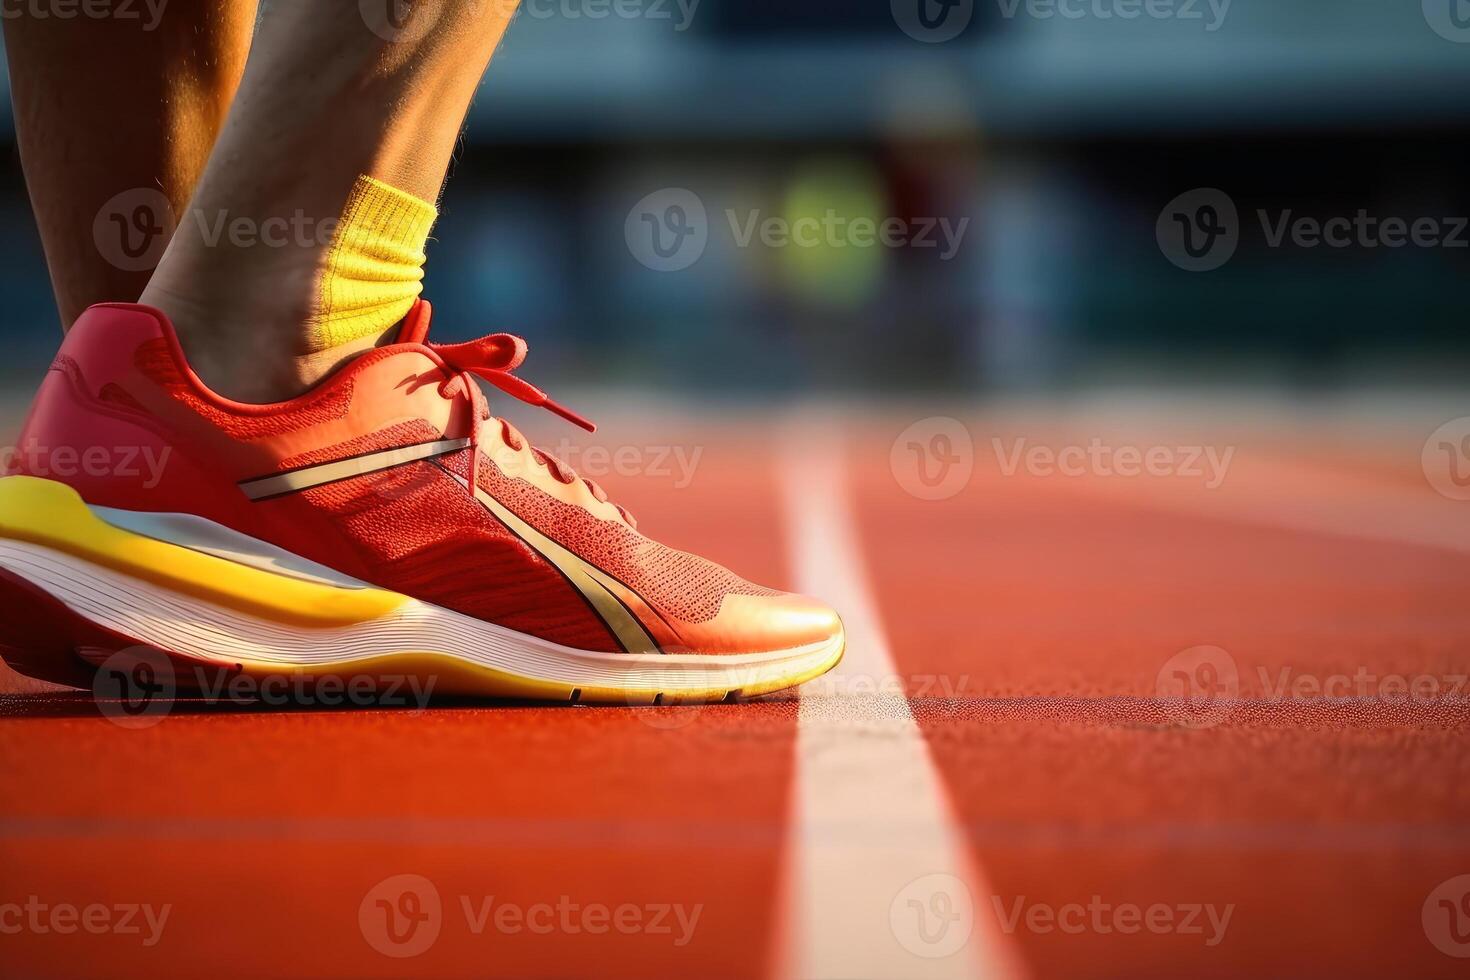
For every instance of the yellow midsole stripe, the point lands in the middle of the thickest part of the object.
(53, 515)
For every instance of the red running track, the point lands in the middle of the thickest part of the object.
(1031, 617)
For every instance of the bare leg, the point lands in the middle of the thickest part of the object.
(104, 107)
(330, 92)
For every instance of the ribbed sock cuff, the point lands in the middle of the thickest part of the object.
(375, 267)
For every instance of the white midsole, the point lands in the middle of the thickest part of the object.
(183, 624)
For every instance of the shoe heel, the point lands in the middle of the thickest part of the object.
(39, 636)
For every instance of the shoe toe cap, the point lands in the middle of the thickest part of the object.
(766, 623)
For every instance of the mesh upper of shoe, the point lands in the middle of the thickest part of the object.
(676, 583)
(413, 529)
(155, 360)
(417, 531)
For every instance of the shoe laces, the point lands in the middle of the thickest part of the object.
(494, 358)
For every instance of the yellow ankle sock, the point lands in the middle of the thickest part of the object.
(375, 268)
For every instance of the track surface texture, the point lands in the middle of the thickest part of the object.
(1206, 720)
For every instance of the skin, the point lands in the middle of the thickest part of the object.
(331, 89)
(105, 106)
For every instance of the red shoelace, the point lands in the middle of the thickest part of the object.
(494, 358)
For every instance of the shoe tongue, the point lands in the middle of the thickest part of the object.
(415, 329)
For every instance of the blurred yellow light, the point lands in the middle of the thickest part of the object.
(832, 215)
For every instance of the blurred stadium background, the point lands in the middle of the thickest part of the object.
(1059, 138)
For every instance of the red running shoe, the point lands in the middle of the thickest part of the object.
(381, 525)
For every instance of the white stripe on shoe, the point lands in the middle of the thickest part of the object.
(319, 474)
(878, 881)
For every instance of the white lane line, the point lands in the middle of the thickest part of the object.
(878, 882)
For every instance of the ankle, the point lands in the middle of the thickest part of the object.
(265, 323)
(247, 352)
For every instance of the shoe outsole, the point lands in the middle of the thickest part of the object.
(75, 590)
